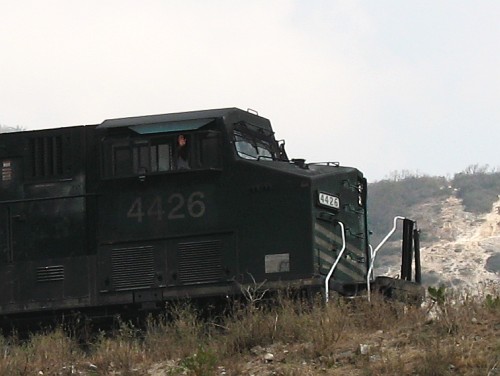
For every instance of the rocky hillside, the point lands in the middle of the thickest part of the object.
(467, 250)
(460, 248)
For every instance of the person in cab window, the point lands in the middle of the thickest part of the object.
(182, 153)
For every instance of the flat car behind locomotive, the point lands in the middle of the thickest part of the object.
(138, 211)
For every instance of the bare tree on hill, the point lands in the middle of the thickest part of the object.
(7, 129)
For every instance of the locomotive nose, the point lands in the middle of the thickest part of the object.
(340, 239)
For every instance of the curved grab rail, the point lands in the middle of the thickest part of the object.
(374, 253)
(371, 255)
(332, 269)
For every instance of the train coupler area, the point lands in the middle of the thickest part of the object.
(348, 289)
(399, 289)
(390, 288)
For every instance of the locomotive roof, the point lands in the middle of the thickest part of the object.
(169, 118)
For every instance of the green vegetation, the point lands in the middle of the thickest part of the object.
(437, 294)
(447, 336)
(492, 303)
(477, 186)
(390, 198)
(478, 189)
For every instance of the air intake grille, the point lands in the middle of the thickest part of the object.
(50, 273)
(200, 262)
(132, 268)
(46, 156)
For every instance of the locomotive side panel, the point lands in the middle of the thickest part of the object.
(160, 226)
(271, 211)
(43, 223)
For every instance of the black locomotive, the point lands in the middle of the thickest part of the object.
(138, 211)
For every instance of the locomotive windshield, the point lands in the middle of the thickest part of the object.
(254, 143)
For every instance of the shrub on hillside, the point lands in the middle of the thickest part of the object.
(390, 198)
(478, 190)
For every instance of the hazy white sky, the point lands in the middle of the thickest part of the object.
(380, 85)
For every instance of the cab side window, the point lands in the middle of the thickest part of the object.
(125, 157)
(136, 157)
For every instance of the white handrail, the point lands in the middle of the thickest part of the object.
(371, 254)
(374, 253)
(329, 275)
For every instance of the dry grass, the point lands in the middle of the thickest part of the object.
(455, 336)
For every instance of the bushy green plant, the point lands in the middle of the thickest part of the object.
(201, 363)
(437, 294)
(492, 303)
